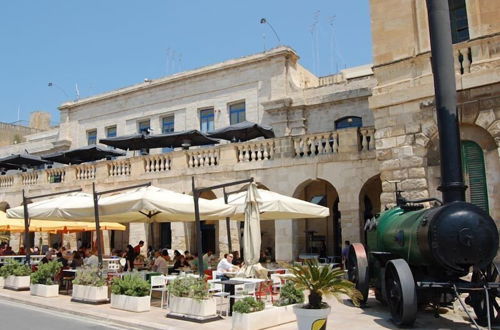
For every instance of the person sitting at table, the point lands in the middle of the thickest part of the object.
(237, 261)
(207, 257)
(22, 251)
(177, 255)
(8, 251)
(161, 264)
(180, 263)
(224, 266)
(130, 256)
(77, 260)
(47, 258)
(194, 262)
(92, 259)
(188, 256)
(62, 260)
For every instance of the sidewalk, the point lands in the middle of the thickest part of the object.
(343, 316)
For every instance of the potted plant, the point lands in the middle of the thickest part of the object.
(189, 298)
(18, 275)
(130, 293)
(319, 281)
(89, 286)
(42, 280)
(3, 275)
(242, 315)
(290, 295)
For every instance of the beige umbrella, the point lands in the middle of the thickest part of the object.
(276, 206)
(251, 231)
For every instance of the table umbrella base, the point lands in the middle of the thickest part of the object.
(193, 318)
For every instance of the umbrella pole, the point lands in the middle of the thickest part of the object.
(97, 226)
(198, 229)
(26, 230)
(228, 226)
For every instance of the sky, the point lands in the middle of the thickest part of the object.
(87, 47)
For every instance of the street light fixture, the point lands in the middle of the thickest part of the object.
(264, 21)
(51, 84)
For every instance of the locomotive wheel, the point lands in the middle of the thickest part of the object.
(357, 269)
(400, 292)
(478, 298)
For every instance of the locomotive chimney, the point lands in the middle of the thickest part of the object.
(452, 184)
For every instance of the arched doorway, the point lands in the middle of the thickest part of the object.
(322, 236)
(369, 202)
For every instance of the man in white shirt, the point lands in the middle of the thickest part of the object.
(225, 265)
(161, 264)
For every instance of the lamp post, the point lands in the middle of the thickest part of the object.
(51, 84)
(264, 21)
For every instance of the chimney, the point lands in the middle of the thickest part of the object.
(40, 120)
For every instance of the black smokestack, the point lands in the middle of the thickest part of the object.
(442, 60)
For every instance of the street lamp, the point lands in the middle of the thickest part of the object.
(51, 84)
(264, 21)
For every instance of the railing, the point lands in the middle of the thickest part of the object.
(157, 163)
(316, 144)
(6, 181)
(463, 59)
(55, 175)
(255, 151)
(85, 172)
(202, 157)
(367, 138)
(474, 55)
(119, 167)
(29, 178)
(330, 80)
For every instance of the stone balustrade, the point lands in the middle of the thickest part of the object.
(239, 156)
(255, 150)
(473, 55)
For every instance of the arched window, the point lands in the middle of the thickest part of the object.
(474, 174)
(346, 122)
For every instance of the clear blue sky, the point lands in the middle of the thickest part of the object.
(103, 45)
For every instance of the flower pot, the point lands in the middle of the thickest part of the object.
(309, 319)
(89, 294)
(129, 303)
(2, 282)
(269, 317)
(43, 290)
(193, 307)
(17, 282)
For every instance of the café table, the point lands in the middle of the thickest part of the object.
(231, 284)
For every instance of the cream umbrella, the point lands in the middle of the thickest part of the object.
(276, 206)
(251, 231)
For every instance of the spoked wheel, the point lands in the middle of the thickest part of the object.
(357, 269)
(400, 292)
(478, 298)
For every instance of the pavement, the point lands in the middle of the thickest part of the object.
(343, 315)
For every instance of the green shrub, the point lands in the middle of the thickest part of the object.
(12, 267)
(189, 287)
(248, 305)
(46, 272)
(289, 295)
(130, 285)
(89, 276)
(3, 272)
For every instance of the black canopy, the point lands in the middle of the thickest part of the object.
(21, 161)
(168, 140)
(84, 154)
(243, 131)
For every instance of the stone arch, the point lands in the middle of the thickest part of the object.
(324, 193)
(369, 201)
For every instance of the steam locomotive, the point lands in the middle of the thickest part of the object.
(416, 255)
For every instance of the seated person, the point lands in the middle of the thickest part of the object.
(224, 266)
(161, 265)
(180, 263)
(47, 258)
(194, 262)
(77, 260)
(92, 259)
(62, 260)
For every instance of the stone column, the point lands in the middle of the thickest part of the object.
(69, 241)
(15, 241)
(138, 231)
(349, 220)
(179, 239)
(222, 233)
(284, 247)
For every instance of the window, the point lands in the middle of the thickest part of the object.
(348, 122)
(144, 126)
(92, 137)
(458, 21)
(236, 113)
(110, 131)
(206, 120)
(167, 124)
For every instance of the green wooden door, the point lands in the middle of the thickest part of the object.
(475, 174)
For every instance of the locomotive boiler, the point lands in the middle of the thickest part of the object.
(417, 255)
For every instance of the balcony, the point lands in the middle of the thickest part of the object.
(351, 144)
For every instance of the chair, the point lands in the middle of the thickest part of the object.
(265, 290)
(208, 274)
(221, 295)
(159, 284)
(277, 282)
(66, 280)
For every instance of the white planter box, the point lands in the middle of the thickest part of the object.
(129, 303)
(307, 317)
(193, 307)
(269, 317)
(90, 294)
(17, 282)
(2, 282)
(42, 290)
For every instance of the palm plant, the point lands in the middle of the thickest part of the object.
(323, 281)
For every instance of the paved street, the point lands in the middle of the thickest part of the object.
(21, 317)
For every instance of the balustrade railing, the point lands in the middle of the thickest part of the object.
(6, 181)
(367, 138)
(255, 151)
(157, 163)
(55, 175)
(29, 178)
(119, 167)
(202, 157)
(85, 172)
(316, 144)
(463, 60)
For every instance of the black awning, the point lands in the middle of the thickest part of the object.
(126, 142)
(22, 161)
(184, 139)
(243, 131)
(84, 154)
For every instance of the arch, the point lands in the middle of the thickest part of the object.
(348, 121)
(327, 239)
(369, 201)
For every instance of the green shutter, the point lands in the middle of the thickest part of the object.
(475, 175)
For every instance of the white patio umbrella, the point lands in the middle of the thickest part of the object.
(251, 231)
(276, 206)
